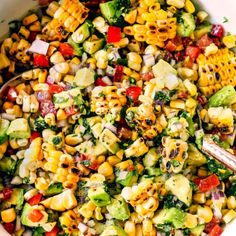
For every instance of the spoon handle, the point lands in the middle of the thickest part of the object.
(226, 158)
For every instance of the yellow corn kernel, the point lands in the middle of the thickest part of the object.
(190, 221)
(231, 202)
(52, 167)
(30, 19)
(130, 228)
(3, 147)
(113, 160)
(178, 104)
(7, 105)
(208, 202)
(193, 209)
(191, 103)
(50, 119)
(140, 20)
(42, 76)
(161, 14)
(229, 41)
(105, 169)
(147, 226)
(229, 216)
(202, 15)
(131, 17)
(41, 86)
(73, 178)
(192, 89)
(59, 178)
(61, 115)
(73, 139)
(139, 168)
(41, 183)
(199, 198)
(100, 159)
(205, 213)
(120, 154)
(110, 178)
(13, 143)
(149, 17)
(189, 7)
(36, 26)
(202, 172)
(8, 215)
(124, 164)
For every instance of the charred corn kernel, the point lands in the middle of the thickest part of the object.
(190, 221)
(113, 160)
(36, 26)
(130, 228)
(202, 172)
(231, 202)
(8, 215)
(110, 178)
(229, 41)
(41, 184)
(52, 8)
(193, 209)
(189, 7)
(151, 204)
(42, 76)
(105, 169)
(229, 216)
(30, 19)
(205, 213)
(3, 147)
(199, 198)
(179, 104)
(131, 16)
(24, 32)
(202, 15)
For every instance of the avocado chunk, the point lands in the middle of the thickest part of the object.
(84, 77)
(202, 30)
(198, 230)
(118, 208)
(19, 128)
(186, 25)
(89, 148)
(82, 33)
(113, 230)
(179, 185)
(78, 49)
(4, 124)
(93, 44)
(53, 189)
(153, 171)
(27, 222)
(7, 165)
(195, 157)
(224, 97)
(151, 158)
(126, 178)
(172, 215)
(109, 141)
(99, 197)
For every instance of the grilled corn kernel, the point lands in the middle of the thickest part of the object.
(3, 147)
(205, 213)
(189, 7)
(199, 198)
(30, 19)
(113, 160)
(229, 216)
(190, 221)
(105, 169)
(8, 215)
(231, 202)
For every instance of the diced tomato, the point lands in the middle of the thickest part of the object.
(193, 52)
(179, 56)
(100, 82)
(41, 61)
(7, 192)
(70, 111)
(130, 168)
(34, 135)
(186, 41)
(133, 93)
(170, 46)
(35, 215)
(113, 34)
(147, 76)
(204, 41)
(12, 94)
(208, 183)
(55, 88)
(43, 95)
(94, 165)
(168, 56)
(209, 226)
(124, 133)
(216, 231)
(189, 63)
(44, 2)
(47, 107)
(223, 137)
(9, 227)
(197, 181)
(217, 31)
(35, 200)
(53, 232)
(66, 49)
(118, 73)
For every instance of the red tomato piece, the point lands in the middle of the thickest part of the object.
(193, 52)
(113, 34)
(170, 46)
(53, 232)
(34, 135)
(47, 107)
(35, 215)
(43, 95)
(12, 94)
(204, 41)
(94, 165)
(133, 93)
(100, 82)
(9, 227)
(216, 231)
(118, 73)
(7, 192)
(41, 61)
(209, 226)
(186, 41)
(35, 200)
(66, 49)
(130, 168)
(197, 181)
(55, 88)
(147, 76)
(208, 183)
(217, 31)
(70, 111)
(179, 56)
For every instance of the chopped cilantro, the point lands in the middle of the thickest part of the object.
(56, 140)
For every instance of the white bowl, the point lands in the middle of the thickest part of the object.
(219, 10)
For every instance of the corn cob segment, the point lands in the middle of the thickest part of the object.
(66, 18)
(216, 71)
(107, 100)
